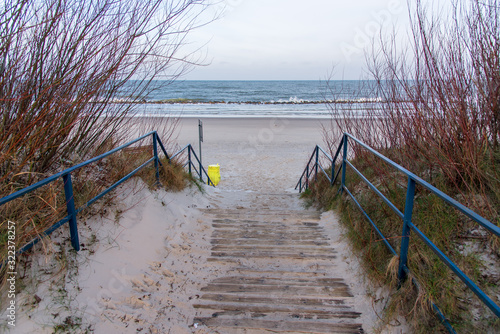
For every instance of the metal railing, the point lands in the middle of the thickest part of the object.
(316, 167)
(200, 170)
(406, 216)
(68, 187)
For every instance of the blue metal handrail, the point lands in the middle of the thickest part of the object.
(68, 187)
(199, 171)
(408, 226)
(315, 156)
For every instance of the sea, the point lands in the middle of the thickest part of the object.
(224, 98)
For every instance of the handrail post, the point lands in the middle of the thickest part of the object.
(405, 240)
(317, 163)
(344, 159)
(307, 176)
(157, 160)
(201, 173)
(70, 207)
(333, 173)
(189, 159)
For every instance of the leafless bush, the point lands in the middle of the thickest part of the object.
(62, 63)
(438, 116)
(440, 109)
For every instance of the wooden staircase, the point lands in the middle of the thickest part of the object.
(281, 277)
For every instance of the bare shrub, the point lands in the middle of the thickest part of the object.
(438, 116)
(63, 63)
(71, 74)
(440, 99)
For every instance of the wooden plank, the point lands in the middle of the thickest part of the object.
(238, 259)
(271, 254)
(298, 222)
(267, 216)
(224, 259)
(306, 232)
(291, 311)
(228, 222)
(240, 222)
(235, 221)
(285, 300)
(279, 281)
(252, 214)
(255, 272)
(287, 315)
(283, 326)
(248, 211)
(334, 290)
(310, 224)
(267, 300)
(266, 227)
(313, 242)
(281, 248)
(269, 235)
(271, 240)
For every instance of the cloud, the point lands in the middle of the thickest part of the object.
(272, 39)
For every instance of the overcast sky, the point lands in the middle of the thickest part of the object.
(292, 39)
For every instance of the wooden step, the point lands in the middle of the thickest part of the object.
(267, 248)
(274, 254)
(337, 290)
(283, 326)
(314, 242)
(289, 312)
(281, 281)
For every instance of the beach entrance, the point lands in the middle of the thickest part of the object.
(282, 269)
(244, 257)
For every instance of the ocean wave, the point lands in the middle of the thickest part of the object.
(291, 100)
(359, 100)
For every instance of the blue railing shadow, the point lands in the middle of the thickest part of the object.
(406, 216)
(68, 187)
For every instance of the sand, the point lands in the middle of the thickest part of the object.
(257, 154)
(145, 261)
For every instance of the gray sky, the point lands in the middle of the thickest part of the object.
(293, 39)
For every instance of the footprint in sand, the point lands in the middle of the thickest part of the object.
(137, 303)
(145, 284)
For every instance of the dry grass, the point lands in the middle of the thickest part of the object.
(439, 118)
(35, 212)
(63, 66)
(446, 227)
(440, 115)
(173, 177)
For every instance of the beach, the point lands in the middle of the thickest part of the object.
(257, 154)
(147, 259)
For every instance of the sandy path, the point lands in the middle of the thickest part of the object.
(146, 262)
(261, 161)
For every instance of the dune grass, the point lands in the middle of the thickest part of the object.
(34, 212)
(467, 244)
(438, 117)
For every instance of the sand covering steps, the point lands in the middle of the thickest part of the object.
(281, 280)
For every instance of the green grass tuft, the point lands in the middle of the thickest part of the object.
(443, 225)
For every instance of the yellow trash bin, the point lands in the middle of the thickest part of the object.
(214, 174)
